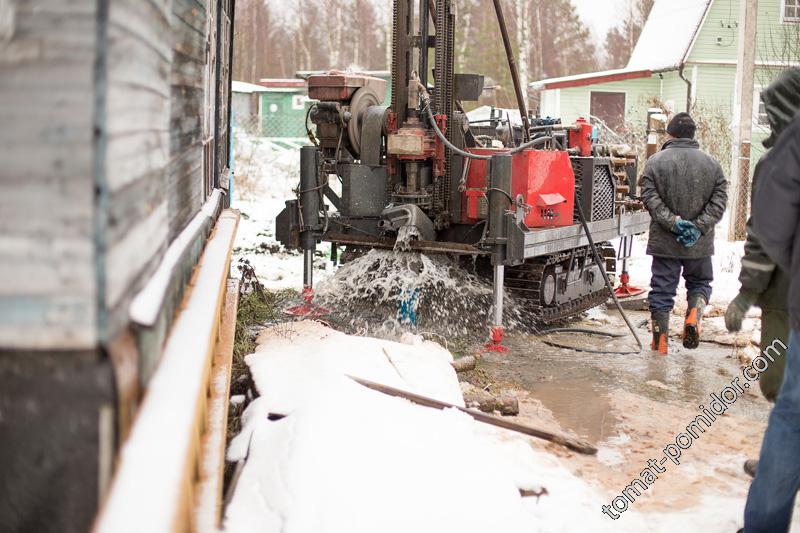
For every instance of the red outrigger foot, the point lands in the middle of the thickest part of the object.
(625, 290)
(496, 343)
(308, 309)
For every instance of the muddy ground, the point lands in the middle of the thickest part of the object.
(632, 406)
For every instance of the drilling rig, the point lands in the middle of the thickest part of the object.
(534, 204)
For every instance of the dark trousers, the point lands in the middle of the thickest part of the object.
(698, 273)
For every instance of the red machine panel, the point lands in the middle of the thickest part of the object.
(544, 179)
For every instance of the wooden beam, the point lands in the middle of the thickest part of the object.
(208, 500)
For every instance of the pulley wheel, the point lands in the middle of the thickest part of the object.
(363, 98)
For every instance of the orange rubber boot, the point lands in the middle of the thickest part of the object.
(694, 318)
(660, 341)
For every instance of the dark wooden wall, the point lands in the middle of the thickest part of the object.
(185, 191)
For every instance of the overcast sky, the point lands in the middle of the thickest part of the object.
(600, 15)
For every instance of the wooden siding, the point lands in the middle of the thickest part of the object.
(135, 170)
(722, 23)
(48, 291)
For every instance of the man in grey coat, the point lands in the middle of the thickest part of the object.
(686, 192)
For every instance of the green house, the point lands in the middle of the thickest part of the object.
(685, 58)
(282, 108)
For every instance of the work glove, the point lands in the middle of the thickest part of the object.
(738, 308)
(681, 226)
(688, 234)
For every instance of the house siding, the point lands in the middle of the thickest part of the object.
(575, 101)
(134, 236)
(47, 248)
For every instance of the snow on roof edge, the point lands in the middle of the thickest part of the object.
(248, 88)
(651, 43)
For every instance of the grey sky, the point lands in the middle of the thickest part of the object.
(600, 15)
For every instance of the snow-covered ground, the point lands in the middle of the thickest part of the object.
(347, 458)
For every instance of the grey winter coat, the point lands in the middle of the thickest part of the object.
(683, 181)
(776, 210)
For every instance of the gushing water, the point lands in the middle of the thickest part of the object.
(383, 289)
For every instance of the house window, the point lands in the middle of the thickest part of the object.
(608, 107)
(299, 101)
(791, 11)
(760, 111)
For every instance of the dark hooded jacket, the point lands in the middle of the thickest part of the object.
(683, 181)
(776, 210)
(760, 275)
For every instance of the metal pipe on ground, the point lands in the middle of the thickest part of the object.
(575, 445)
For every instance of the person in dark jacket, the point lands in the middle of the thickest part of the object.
(762, 283)
(686, 192)
(776, 224)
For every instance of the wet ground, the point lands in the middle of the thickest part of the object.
(633, 406)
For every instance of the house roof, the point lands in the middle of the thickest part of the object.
(282, 83)
(247, 88)
(664, 45)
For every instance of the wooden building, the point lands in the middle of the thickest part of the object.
(114, 151)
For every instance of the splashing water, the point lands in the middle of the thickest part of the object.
(372, 292)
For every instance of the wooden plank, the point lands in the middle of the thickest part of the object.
(126, 258)
(162, 451)
(132, 155)
(208, 504)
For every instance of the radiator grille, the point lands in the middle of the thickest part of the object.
(603, 197)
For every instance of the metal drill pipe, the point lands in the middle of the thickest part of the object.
(497, 293)
(575, 445)
(512, 65)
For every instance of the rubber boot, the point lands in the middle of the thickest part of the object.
(750, 467)
(660, 332)
(694, 317)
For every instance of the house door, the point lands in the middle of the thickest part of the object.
(609, 107)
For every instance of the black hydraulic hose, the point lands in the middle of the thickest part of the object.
(531, 144)
(610, 288)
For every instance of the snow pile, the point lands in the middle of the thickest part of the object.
(347, 458)
(446, 298)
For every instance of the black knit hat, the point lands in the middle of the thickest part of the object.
(682, 126)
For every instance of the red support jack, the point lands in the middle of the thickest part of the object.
(496, 343)
(308, 309)
(625, 290)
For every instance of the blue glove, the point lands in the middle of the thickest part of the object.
(682, 226)
(690, 236)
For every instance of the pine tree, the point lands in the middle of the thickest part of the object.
(621, 40)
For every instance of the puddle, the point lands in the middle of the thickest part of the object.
(577, 404)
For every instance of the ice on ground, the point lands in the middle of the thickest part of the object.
(347, 458)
